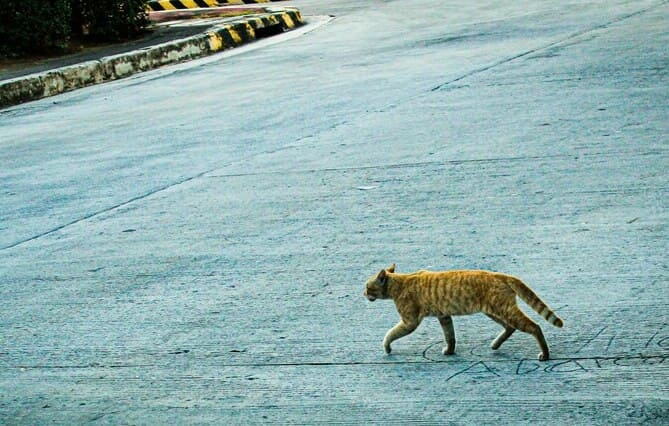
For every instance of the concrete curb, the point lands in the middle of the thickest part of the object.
(156, 5)
(231, 34)
(204, 12)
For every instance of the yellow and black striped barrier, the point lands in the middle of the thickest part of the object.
(215, 39)
(158, 5)
(248, 29)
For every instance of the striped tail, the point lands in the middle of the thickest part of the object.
(533, 301)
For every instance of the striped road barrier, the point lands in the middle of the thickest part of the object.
(158, 5)
(215, 39)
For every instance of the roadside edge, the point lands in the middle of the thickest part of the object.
(215, 39)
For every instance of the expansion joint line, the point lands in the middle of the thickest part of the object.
(549, 45)
(105, 210)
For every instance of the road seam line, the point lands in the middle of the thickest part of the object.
(549, 45)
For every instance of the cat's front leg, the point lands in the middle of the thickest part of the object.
(400, 330)
(449, 334)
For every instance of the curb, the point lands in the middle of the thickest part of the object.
(157, 5)
(215, 39)
(226, 12)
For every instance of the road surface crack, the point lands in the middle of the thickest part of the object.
(546, 47)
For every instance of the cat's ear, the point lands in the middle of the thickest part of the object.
(391, 269)
(382, 277)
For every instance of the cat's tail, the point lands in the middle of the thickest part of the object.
(530, 297)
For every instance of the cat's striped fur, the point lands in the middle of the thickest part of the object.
(447, 293)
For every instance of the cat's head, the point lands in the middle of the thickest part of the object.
(376, 286)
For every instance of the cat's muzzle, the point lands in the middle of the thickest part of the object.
(369, 297)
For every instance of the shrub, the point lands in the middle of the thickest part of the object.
(46, 26)
(109, 20)
(34, 26)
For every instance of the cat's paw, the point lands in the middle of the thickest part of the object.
(448, 351)
(543, 357)
(386, 345)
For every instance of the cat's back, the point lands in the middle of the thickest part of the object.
(448, 282)
(456, 292)
(452, 283)
(458, 276)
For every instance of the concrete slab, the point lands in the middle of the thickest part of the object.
(186, 250)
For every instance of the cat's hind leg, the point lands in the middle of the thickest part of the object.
(400, 330)
(516, 318)
(449, 334)
(505, 334)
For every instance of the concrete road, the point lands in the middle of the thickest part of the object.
(190, 245)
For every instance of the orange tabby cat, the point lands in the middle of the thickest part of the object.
(447, 293)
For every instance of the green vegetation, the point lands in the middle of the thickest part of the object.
(38, 26)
